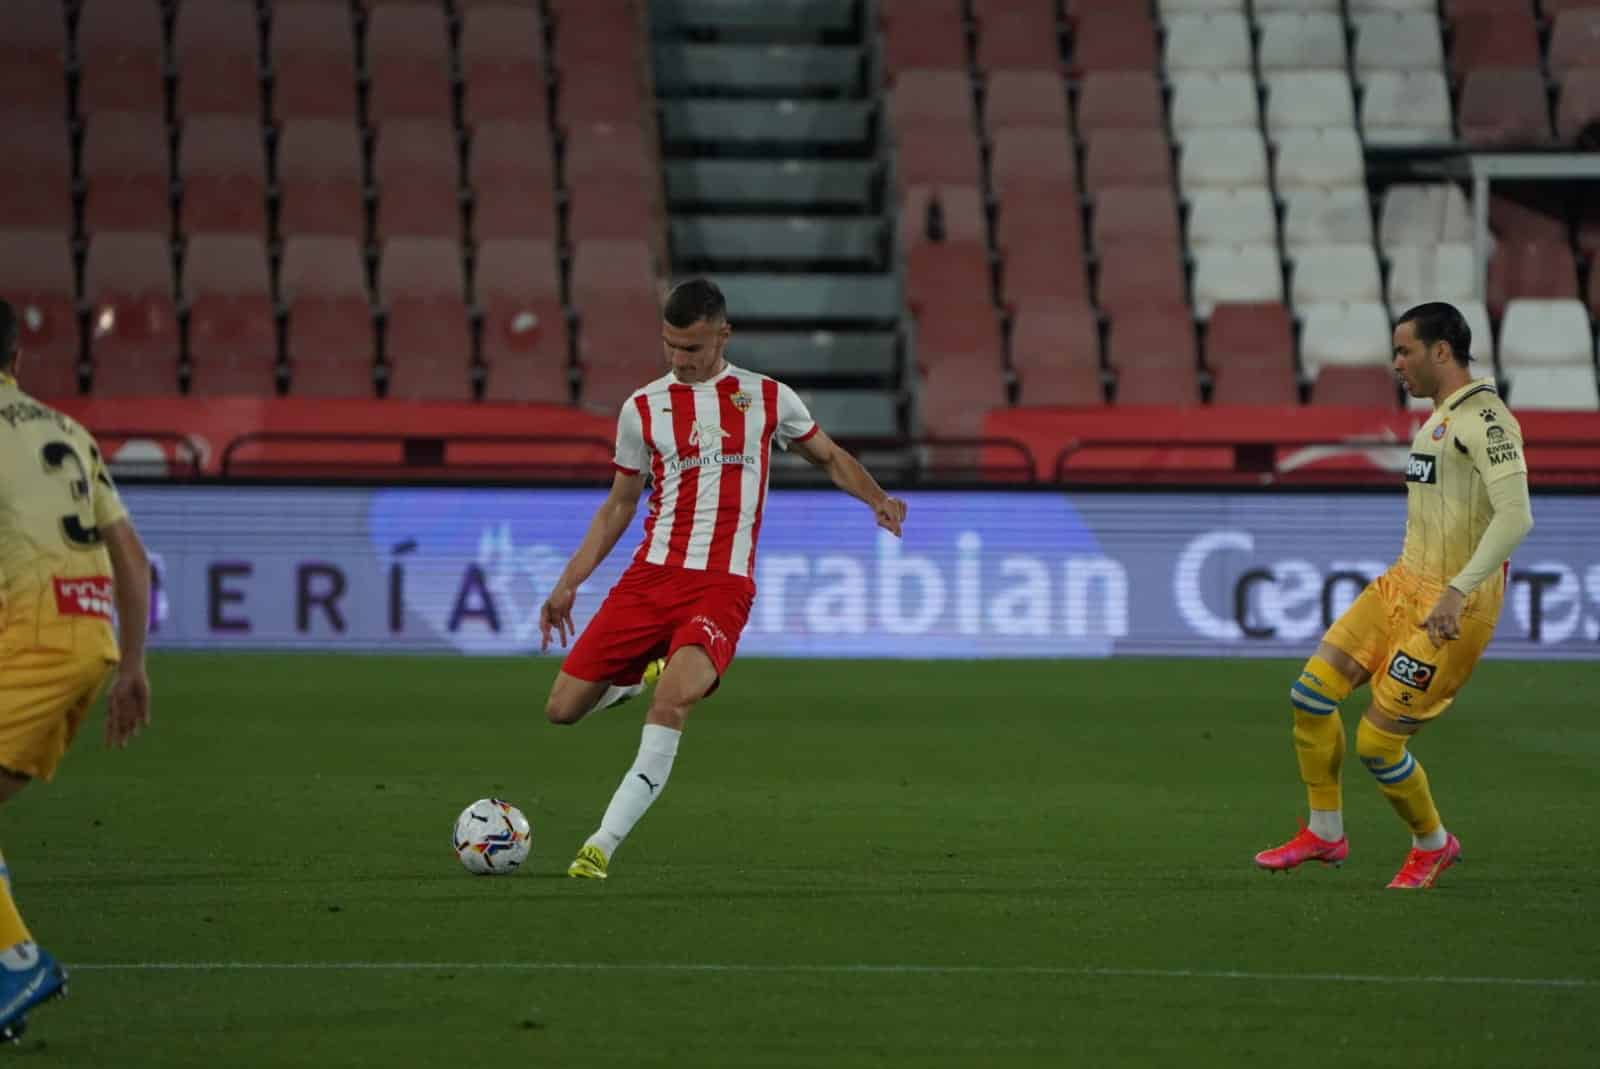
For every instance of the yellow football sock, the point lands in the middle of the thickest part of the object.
(12, 929)
(1400, 776)
(1318, 731)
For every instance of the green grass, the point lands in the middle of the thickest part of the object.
(1062, 847)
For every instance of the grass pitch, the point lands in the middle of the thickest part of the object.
(855, 864)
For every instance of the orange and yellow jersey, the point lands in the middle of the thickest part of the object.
(55, 495)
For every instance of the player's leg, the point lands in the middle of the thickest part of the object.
(606, 665)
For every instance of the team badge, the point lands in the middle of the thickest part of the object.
(742, 401)
(1441, 430)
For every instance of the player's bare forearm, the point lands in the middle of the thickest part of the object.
(130, 584)
(849, 475)
(611, 519)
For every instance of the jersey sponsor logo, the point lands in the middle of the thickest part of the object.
(88, 596)
(1495, 434)
(1406, 669)
(1421, 468)
(705, 434)
(1501, 450)
(1441, 430)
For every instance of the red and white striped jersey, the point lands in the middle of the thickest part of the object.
(707, 447)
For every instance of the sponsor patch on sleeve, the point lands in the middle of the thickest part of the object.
(86, 596)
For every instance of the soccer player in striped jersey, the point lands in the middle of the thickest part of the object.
(1417, 630)
(702, 435)
(69, 555)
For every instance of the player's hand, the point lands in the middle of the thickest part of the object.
(890, 513)
(555, 617)
(128, 705)
(1444, 622)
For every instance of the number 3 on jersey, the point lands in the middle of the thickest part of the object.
(79, 526)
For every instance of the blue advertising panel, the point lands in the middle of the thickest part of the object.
(978, 574)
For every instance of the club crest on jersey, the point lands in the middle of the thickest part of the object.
(1441, 430)
(1406, 669)
(1421, 468)
(742, 401)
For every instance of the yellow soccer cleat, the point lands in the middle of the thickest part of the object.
(590, 864)
(653, 670)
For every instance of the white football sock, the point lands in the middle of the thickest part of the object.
(19, 956)
(1434, 840)
(616, 695)
(1327, 824)
(644, 782)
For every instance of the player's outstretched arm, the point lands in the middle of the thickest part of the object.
(1513, 519)
(848, 475)
(128, 703)
(610, 520)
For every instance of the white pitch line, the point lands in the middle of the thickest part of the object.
(839, 969)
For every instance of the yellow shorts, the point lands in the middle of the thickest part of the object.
(44, 696)
(1412, 679)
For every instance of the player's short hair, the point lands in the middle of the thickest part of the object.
(10, 332)
(694, 300)
(1436, 322)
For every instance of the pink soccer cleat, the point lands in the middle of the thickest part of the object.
(1423, 867)
(1302, 848)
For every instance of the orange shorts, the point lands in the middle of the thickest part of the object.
(1413, 680)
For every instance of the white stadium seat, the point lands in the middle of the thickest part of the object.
(1424, 215)
(1170, 8)
(1398, 42)
(1234, 158)
(1324, 273)
(1299, 7)
(1202, 99)
(1406, 108)
(1344, 334)
(1232, 217)
(1545, 332)
(1308, 98)
(1207, 42)
(1296, 42)
(1240, 273)
(1418, 274)
(1326, 217)
(1320, 159)
(1362, 7)
(1554, 387)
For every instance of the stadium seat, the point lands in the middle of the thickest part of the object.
(120, 44)
(1504, 37)
(1441, 272)
(408, 63)
(502, 64)
(1250, 351)
(222, 161)
(1294, 41)
(126, 172)
(955, 394)
(947, 292)
(1319, 159)
(1248, 273)
(1338, 273)
(427, 337)
(1268, 384)
(1119, 100)
(1505, 108)
(1406, 108)
(608, 267)
(1398, 42)
(1136, 277)
(320, 178)
(937, 154)
(415, 162)
(1344, 333)
(1124, 214)
(1359, 387)
(1035, 215)
(520, 151)
(34, 80)
(959, 209)
(1055, 352)
(35, 172)
(619, 209)
(1317, 99)
(1039, 265)
(1232, 217)
(322, 281)
(599, 94)
(524, 328)
(1032, 156)
(1202, 99)
(1141, 385)
(1218, 41)
(931, 39)
(931, 96)
(514, 208)
(1574, 41)
(1118, 157)
(1531, 269)
(1018, 38)
(1024, 98)
(1223, 159)
(133, 323)
(1580, 103)
(1393, 7)
(36, 276)
(218, 52)
(1297, 7)
(312, 52)
(1561, 388)
(1424, 215)
(1170, 8)
(1530, 215)
(1118, 38)
(233, 337)
(1326, 217)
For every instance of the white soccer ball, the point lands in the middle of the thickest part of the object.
(492, 837)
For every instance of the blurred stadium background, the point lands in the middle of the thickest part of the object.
(350, 290)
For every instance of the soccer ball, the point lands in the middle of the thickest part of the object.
(492, 837)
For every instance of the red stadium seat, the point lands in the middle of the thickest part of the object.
(408, 62)
(313, 57)
(133, 322)
(515, 151)
(932, 38)
(517, 270)
(1018, 38)
(35, 172)
(525, 351)
(1155, 385)
(1161, 335)
(1034, 158)
(233, 337)
(512, 208)
(36, 276)
(614, 209)
(1119, 38)
(1135, 277)
(937, 154)
(1134, 214)
(597, 150)
(1120, 100)
(120, 56)
(1533, 269)
(600, 95)
(1025, 98)
(948, 213)
(330, 339)
(947, 288)
(33, 57)
(222, 160)
(218, 50)
(957, 392)
(1533, 216)
(416, 164)
(931, 96)
(1574, 40)
(126, 172)
(1580, 103)
(1366, 387)
(1055, 352)
(595, 34)
(611, 267)
(320, 178)
(1507, 38)
(502, 60)
(1249, 335)
(1127, 158)
(1504, 108)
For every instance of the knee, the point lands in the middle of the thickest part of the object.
(1384, 754)
(561, 710)
(669, 712)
